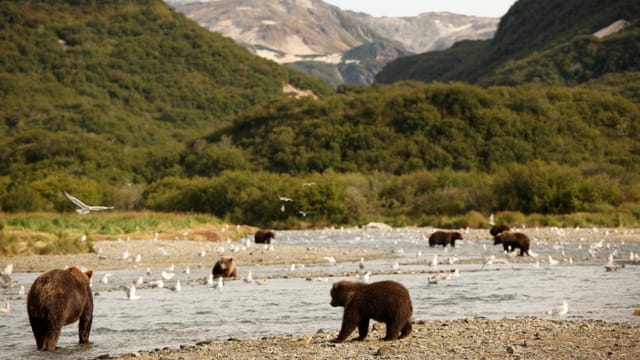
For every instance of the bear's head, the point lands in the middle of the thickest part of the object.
(226, 263)
(341, 294)
(78, 274)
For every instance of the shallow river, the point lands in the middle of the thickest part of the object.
(165, 318)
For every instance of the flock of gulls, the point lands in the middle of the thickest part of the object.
(166, 278)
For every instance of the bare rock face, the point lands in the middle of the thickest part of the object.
(432, 30)
(297, 27)
(319, 35)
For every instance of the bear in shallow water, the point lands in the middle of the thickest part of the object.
(225, 267)
(444, 238)
(264, 236)
(58, 298)
(513, 240)
(384, 301)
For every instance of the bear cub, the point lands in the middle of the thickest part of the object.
(225, 267)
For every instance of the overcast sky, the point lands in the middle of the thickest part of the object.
(490, 8)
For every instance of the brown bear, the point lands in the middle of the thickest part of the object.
(444, 238)
(513, 240)
(225, 267)
(384, 301)
(264, 236)
(497, 229)
(58, 298)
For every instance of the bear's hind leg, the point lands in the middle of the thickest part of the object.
(84, 326)
(393, 330)
(406, 330)
(50, 340)
(39, 335)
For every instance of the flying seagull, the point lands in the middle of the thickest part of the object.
(83, 208)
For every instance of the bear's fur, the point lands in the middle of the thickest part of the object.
(58, 298)
(444, 238)
(513, 240)
(225, 267)
(497, 229)
(383, 301)
(264, 236)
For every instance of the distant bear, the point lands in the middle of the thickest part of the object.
(444, 238)
(225, 267)
(384, 301)
(58, 298)
(513, 240)
(497, 229)
(264, 236)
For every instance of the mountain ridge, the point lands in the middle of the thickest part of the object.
(318, 35)
(527, 30)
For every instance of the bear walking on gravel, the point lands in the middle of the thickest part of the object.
(384, 301)
(444, 238)
(264, 236)
(58, 298)
(225, 267)
(513, 240)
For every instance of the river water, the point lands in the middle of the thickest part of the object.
(299, 305)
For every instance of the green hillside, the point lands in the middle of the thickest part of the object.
(108, 92)
(548, 41)
(414, 150)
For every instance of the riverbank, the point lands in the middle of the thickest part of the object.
(529, 338)
(109, 254)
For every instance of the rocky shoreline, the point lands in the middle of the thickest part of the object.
(527, 338)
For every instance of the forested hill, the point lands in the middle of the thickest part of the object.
(412, 127)
(549, 41)
(111, 90)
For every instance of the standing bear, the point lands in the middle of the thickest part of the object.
(58, 298)
(444, 238)
(497, 229)
(225, 267)
(264, 236)
(383, 301)
(513, 240)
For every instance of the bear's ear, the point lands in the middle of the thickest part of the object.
(89, 273)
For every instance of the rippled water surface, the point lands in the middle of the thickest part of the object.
(162, 317)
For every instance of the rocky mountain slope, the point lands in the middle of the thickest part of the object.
(578, 42)
(314, 36)
(430, 31)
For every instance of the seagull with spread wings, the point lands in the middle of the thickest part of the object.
(83, 208)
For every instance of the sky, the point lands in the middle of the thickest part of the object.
(489, 8)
